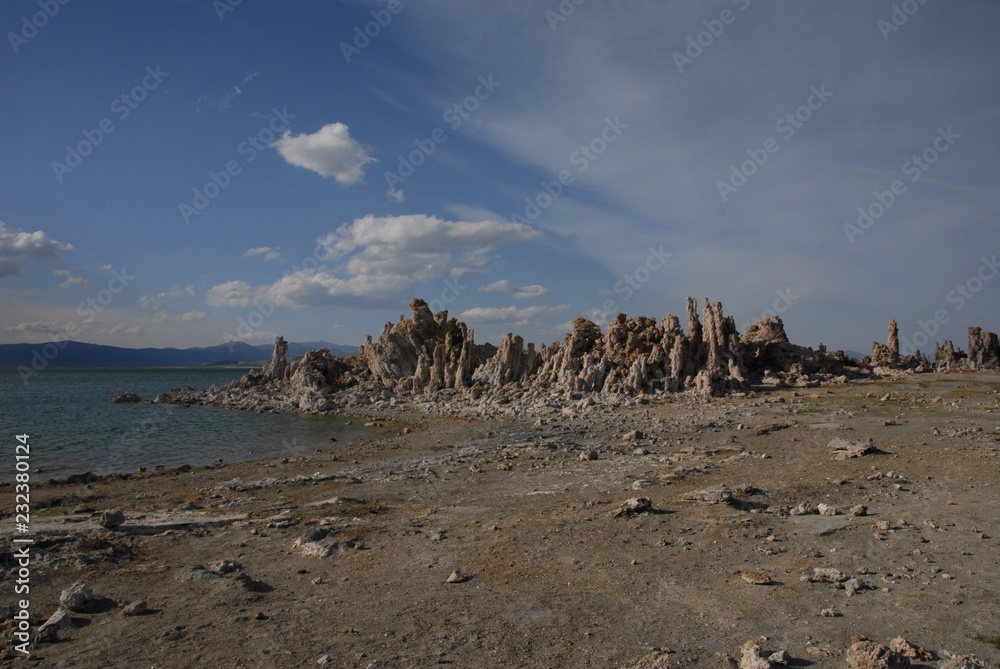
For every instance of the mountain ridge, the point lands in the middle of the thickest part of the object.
(68, 353)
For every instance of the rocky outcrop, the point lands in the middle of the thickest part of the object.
(428, 354)
(984, 349)
(422, 354)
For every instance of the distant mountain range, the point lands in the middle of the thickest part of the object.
(79, 354)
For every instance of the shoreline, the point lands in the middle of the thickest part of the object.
(351, 553)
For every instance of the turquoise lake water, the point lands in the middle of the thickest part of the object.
(74, 427)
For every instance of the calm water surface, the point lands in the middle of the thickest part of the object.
(75, 428)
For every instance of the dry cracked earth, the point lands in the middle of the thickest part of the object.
(510, 544)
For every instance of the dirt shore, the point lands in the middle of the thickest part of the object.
(505, 544)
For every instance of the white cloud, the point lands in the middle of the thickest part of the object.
(125, 330)
(271, 254)
(70, 279)
(529, 292)
(502, 286)
(518, 316)
(19, 248)
(418, 233)
(191, 316)
(44, 327)
(396, 195)
(230, 294)
(379, 260)
(155, 302)
(330, 152)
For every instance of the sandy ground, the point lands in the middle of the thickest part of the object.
(549, 575)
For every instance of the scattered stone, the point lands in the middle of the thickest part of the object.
(906, 649)
(634, 506)
(714, 495)
(633, 435)
(827, 510)
(226, 566)
(588, 455)
(76, 597)
(753, 657)
(830, 613)
(82, 508)
(135, 608)
(111, 519)
(640, 484)
(859, 510)
(322, 542)
(827, 575)
(189, 506)
(49, 631)
(845, 449)
(803, 509)
(854, 585)
(756, 578)
(640, 451)
(964, 662)
(870, 655)
(658, 659)
(456, 577)
(125, 398)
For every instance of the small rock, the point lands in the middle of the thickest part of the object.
(779, 659)
(640, 484)
(827, 575)
(82, 508)
(640, 451)
(756, 578)
(49, 631)
(845, 449)
(714, 495)
(854, 585)
(111, 519)
(634, 506)
(827, 510)
(456, 577)
(830, 613)
(135, 608)
(324, 659)
(803, 509)
(225, 566)
(870, 655)
(125, 398)
(907, 649)
(588, 455)
(76, 597)
(859, 510)
(964, 662)
(189, 506)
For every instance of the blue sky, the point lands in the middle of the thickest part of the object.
(182, 173)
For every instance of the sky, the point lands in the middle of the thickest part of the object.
(189, 172)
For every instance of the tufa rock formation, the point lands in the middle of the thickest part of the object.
(429, 357)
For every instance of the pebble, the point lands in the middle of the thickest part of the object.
(135, 608)
(634, 506)
(588, 455)
(756, 578)
(827, 575)
(76, 597)
(827, 510)
(111, 519)
(456, 577)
